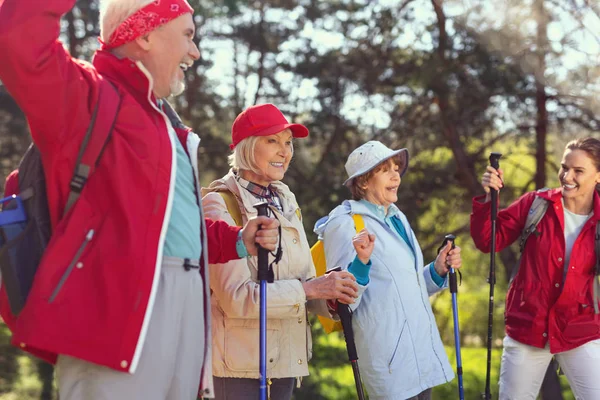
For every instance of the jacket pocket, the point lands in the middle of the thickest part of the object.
(70, 244)
(395, 354)
(242, 344)
(74, 260)
(578, 320)
(309, 348)
(522, 306)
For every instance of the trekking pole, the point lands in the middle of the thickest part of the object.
(346, 319)
(263, 276)
(454, 290)
(495, 163)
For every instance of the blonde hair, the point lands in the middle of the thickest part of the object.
(243, 157)
(114, 12)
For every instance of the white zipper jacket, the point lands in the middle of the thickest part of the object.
(399, 347)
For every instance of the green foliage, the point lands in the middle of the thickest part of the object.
(19, 373)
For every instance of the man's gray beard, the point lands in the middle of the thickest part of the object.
(177, 87)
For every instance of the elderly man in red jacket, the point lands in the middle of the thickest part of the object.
(130, 322)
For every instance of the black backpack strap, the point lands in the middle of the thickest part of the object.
(96, 137)
(537, 210)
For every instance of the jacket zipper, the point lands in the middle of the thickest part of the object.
(163, 233)
(66, 274)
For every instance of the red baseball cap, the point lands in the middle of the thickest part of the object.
(262, 120)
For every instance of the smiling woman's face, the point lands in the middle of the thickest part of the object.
(382, 187)
(578, 174)
(272, 155)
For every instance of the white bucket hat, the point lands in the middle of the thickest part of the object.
(368, 156)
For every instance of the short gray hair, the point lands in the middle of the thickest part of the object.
(243, 157)
(114, 12)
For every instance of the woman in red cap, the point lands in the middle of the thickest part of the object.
(262, 144)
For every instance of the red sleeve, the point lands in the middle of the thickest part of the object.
(11, 186)
(222, 238)
(509, 225)
(52, 88)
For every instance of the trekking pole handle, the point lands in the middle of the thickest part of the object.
(494, 163)
(263, 254)
(495, 159)
(452, 281)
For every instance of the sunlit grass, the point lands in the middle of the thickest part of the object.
(333, 380)
(474, 362)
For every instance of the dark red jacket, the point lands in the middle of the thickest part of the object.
(540, 307)
(101, 313)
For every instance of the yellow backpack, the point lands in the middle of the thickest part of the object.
(317, 251)
(232, 207)
(318, 255)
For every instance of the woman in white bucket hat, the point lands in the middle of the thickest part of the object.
(400, 350)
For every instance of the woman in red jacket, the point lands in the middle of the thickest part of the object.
(550, 303)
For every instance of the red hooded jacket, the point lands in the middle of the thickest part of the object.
(540, 307)
(101, 313)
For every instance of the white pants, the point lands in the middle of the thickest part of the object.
(523, 369)
(172, 356)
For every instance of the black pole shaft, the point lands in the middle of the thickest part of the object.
(495, 163)
(263, 254)
(346, 320)
(357, 379)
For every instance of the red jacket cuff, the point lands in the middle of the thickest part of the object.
(221, 241)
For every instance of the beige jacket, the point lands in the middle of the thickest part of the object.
(236, 294)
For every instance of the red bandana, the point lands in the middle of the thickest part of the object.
(145, 20)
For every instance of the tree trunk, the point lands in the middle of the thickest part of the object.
(551, 385)
(541, 126)
(466, 171)
(71, 35)
(46, 375)
(541, 131)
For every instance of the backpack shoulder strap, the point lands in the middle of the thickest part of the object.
(359, 222)
(232, 206)
(95, 139)
(534, 216)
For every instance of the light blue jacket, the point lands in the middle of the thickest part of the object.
(399, 347)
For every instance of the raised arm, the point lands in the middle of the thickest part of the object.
(55, 91)
(509, 224)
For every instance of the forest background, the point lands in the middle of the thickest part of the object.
(451, 80)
